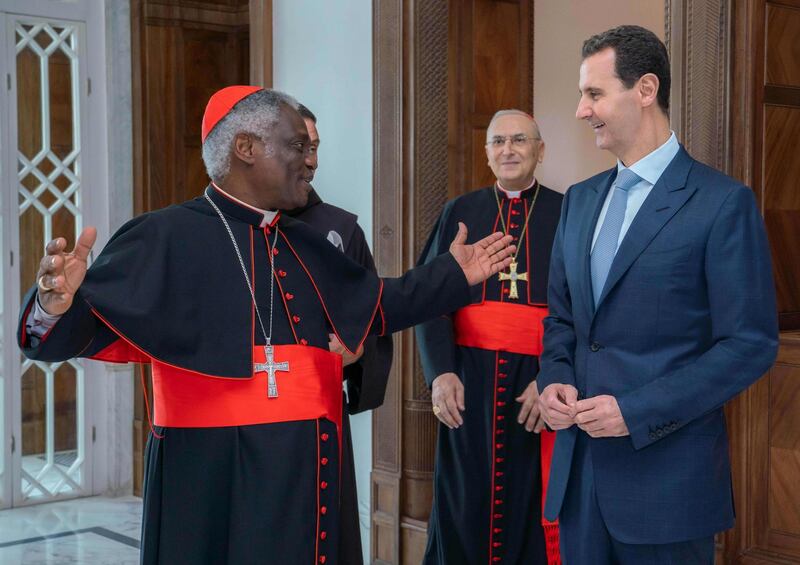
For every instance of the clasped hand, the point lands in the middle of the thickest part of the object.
(598, 416)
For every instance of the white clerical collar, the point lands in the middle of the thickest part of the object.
(515, 193)
(269, 215)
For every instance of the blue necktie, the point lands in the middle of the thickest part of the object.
(605, 248)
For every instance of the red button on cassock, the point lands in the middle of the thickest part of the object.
(303, 342)
(323, 485)
(322, 559)
(274, 250)
(501, 403)
(289, 295)
(323, 510)
(324, 437)
(499, 460)
(281, 273)
(496, 544)
(296, 319)
(498, 530)
(502, 361)
(324, 461)
(497, 516)
(323, 535)
(501, 389)
(498, 474)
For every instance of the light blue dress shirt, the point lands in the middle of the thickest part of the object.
(649, 168)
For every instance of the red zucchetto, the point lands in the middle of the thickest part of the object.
(221, 103)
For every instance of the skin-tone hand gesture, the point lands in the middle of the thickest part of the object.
(529, 413)
(600, 416)
(483, 258)
(347, 358)
(61, 273)
(447, 397)
(558, 405)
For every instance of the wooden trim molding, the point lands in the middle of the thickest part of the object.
(261, 43)
(388, 237)
(698, 36)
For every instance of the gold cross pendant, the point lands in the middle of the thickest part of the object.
(513, 276)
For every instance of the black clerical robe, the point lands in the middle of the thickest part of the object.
(169, 288)
(366, 378)
(487, 504)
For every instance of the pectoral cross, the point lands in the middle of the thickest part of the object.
(271, 367)
(513, 276)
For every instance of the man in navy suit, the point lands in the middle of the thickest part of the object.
(662, 308)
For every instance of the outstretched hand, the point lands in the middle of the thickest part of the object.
(484, 258)
(61, 274)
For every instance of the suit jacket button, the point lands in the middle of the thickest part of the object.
(595, 347)
(660, 432)
(652, 435)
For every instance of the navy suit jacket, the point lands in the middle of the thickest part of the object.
(687, 319)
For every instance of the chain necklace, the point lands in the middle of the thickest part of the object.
(270, 367)
(513, 276)
(503, 220)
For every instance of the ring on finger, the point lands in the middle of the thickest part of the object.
(40, 283)
(436, 409)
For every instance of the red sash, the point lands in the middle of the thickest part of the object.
(311, 389)
(516, 328)
(501, 326)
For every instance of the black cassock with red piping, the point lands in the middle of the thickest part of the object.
(487, 504)
(260, 483)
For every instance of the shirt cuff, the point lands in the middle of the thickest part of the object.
(39, 322)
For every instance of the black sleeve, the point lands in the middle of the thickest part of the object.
(366, 379)
(78, 333)
(435, 338)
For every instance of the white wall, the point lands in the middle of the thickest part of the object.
(560, 27)
(322, 55)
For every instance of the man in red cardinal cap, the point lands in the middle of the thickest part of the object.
(481, 362)
(232, 304)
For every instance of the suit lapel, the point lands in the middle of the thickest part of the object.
(666, 198)
(593, 206)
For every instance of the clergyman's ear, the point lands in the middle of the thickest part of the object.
(244, 148)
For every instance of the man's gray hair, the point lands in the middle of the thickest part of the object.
(514, 112)
(255, 115)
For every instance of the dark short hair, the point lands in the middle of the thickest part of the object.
(638, 51)
(306, 113)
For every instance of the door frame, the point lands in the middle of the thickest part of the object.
(94, 205)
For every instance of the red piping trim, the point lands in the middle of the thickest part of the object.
(23, 329)
(280, 288)
(143, 352)
(528, 262)
(383, 319)
(316, 537)
(494, 453)
(252, 301)
(325, 308)
(494, 229)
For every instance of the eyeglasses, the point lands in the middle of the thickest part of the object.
(517, 140)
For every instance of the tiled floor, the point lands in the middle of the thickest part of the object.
(91, 531)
